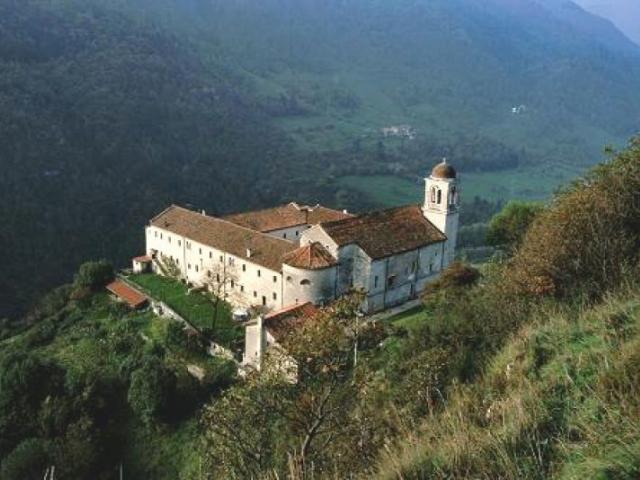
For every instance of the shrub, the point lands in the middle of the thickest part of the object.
(588, 238)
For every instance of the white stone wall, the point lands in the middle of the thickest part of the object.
(253, 284)
(302, 286)
(317, 234)
(293, 234)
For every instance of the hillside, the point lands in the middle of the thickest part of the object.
(625, 14)
(524, 369)
(112, 110)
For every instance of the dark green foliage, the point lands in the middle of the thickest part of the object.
(93, 275)
(508, 227)
(152, 391)
(28, 461)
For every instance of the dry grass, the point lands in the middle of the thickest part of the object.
(560, 400)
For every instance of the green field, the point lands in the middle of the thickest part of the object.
(523, 184)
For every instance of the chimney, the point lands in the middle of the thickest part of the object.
(204, 212)
(345, 211)
(249, 253)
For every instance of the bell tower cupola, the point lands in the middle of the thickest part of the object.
(442, 204)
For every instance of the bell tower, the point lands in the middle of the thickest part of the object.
(442, 205)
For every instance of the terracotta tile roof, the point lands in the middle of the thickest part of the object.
(280, 323)
(130, 295)
(310, 257)
(286, 216)
(225, 236)
(142, 259)
(387, 232)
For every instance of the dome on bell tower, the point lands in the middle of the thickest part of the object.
(444, 170)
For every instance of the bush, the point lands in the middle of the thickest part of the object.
(152, 389)
(588, 239)
(93, 275)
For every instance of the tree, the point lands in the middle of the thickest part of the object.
(508, 227)
(303, 425)
(93, 275)
(221, 282)
(151, 391)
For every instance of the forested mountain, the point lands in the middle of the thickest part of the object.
(112, 109)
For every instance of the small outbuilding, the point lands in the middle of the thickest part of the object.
(142, 264)
(127, 294)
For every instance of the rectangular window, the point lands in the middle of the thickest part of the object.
(264, 300)
(161, 236)
(155, 234)
(430, 267)
(179, 243)
(375, 282)
(275, 279)
(244, 267)
(297, 233)
(210, 254)
(242, 288)
(177, 262)
(200, 251)
(255, 294)
(284, 235)
(218, 277)
(209, 273)
(233, 284)
(231, 261)
(391, 281)
(275, 296)
(221, 259)
(258, 272)
(196, 268)
(189, 266)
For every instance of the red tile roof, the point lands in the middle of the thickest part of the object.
(131, 296)
(282, 322)
(225, 236)
(310, 257)
(387, 232)
(286, 216)
(142, 259)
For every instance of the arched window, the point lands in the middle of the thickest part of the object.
(305, 282)
(453, 197)
(439, 197)
(289, 279)
(433, 194)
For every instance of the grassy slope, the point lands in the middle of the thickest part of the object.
(195, 307)
(559, 401)
(87, 343)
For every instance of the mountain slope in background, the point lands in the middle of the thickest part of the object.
(113, 109)
(625, 14)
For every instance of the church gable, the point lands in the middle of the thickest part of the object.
(387, 232)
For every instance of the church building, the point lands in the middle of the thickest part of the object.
(297, 254)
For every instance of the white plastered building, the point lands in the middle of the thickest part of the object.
(293, 254)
